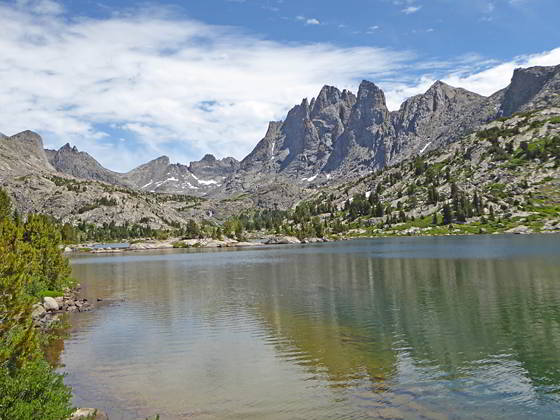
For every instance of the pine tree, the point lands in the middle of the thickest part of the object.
(447, 215)
(5, 205)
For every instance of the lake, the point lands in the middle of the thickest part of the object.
(397, 328)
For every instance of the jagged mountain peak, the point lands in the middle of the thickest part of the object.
(68, 147)
(208, 158)
(370, 95)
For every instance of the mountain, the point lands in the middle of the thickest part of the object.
(302, 144)
(334, 138)
(531, 88)
(22, 154)
(158, 175)
(502, 178)
(199, 178)
(210, 170)
(341, 135)
(81, 165)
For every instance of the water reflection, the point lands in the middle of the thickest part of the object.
(370, 329)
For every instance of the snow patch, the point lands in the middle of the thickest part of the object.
(425, 147)
(149, 183)
(368, 195)
(310, 179)
(209, 182)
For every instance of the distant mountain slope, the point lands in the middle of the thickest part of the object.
(81, 165)
(333, 137)
(22, 154)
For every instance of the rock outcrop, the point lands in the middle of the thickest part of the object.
(21, 154)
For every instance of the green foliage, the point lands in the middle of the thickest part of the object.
(33, 392)
(5, 205)
(51, 270)
(497, 132)
(31, 259)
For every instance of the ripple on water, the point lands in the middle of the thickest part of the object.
(405, 329)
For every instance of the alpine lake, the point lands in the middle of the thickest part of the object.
(394, 328)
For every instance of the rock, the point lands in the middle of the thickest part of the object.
(50, 304)
(283, 240)
(520, 230)
(89, 413)
(38, 311)
(242, 244)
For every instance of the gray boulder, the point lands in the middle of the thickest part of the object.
(50, 304)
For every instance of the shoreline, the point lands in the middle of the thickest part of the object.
(206, 243)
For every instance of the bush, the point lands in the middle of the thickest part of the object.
(31, 260)
(34, 392)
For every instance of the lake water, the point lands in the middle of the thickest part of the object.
(411, 328)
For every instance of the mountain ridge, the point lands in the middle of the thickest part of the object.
(335, 136)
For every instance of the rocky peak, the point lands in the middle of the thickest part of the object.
(23, 153)
(211, 168)
(370, 106)
(208, 158)
(29, 137)
(68, 148)
(328, 96)
(69, 160)
(527, 85)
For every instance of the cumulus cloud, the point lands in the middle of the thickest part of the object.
(313, 21)
(167, 85)
(134, 86)
(469, 75)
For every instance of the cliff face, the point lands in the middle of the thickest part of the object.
(21, 154)
(532, 88)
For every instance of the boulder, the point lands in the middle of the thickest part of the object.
(89, 413)
(283, 240)
(520, 230)
(38, 311)
(50, 304)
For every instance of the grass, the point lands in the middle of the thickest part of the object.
(50, 293)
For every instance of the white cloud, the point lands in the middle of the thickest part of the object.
(183, 88)
(313, 21)
(170, 86)
(411, 9)
(486, 81)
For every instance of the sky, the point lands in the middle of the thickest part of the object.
(129, 81)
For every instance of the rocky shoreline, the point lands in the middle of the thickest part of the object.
(178, 243)
(46, 313)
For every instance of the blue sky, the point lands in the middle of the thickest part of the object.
(129, 81)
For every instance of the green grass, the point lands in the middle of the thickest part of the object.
(50, 293)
